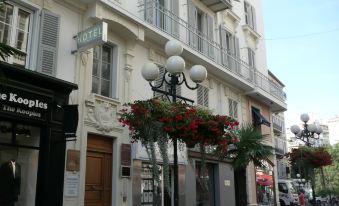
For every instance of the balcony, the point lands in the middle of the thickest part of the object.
(280, 146)
(217, 5)
(278, 124)
(234, 70)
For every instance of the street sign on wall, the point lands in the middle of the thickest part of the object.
(93, 36)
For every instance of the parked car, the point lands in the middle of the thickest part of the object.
(287, 193)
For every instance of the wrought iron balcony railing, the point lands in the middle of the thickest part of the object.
(168, 22)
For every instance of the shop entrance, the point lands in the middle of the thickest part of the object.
(98, 189)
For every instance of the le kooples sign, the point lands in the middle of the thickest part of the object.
(20, 104)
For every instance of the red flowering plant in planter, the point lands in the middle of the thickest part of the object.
(189, 124)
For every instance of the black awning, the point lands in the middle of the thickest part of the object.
(259, 118)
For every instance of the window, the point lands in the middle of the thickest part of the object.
(153, 193)
(15, 30)
(202, 96)
(102, 73)
(200, 30)
(230, 50)
(251, 58)
(205, 185)
(233, 108)
(250, 18)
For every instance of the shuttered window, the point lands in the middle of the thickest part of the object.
(201, 35)
(102, 73)
(251, 58)
(15, 23)
(165, 86)
(230, 54)
(49, 40)
(202, 96)
(233, 108)
(250, 17)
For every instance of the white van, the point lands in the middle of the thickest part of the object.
(287, 193)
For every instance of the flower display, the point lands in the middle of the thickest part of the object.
(315, 157)
(186, 123)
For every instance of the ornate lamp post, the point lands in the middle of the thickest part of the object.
(308, 135)
(173, 77)
(301, 182)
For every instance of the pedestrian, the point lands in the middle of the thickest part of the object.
(302, 198)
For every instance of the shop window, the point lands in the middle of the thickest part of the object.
(15, 30)
(103, 72)
(264, 182)
(205, 185)
(153, 192)
(19, 155)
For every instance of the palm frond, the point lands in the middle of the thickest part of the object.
(6, 50)
(250, 148)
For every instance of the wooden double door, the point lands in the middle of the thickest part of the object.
(98, 188)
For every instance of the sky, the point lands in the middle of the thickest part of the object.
(302, 45)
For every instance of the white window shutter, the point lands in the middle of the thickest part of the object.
(200, 95)
(159, 80)
(235, 110)
(48, 43)
(192, 21)
(210, 36)
(150, 11)
(230, 107)
(237, 53)
(175, 19)
(223, 45)
(178, 90)
(205, 96)
(254, 22)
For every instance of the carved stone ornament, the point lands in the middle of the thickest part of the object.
(102, 114)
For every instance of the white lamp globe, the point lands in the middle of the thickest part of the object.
(304, 117)
(319, 130)
(150, 71)
(312, 128)
(173, 48)
(298, 134)
(298, 175)
(198, 73)
(175, 65)
(295, 129)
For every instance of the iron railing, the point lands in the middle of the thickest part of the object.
(168, 22)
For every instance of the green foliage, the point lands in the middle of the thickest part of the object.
(6, 51)
(249, 148)
(329, 182)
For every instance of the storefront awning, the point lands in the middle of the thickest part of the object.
(261, 119)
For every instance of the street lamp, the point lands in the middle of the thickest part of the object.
(301, 181)
(309, 134)
(174, 77)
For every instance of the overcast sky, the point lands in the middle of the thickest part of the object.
(302, 42)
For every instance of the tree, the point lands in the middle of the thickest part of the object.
(249, 148)
(327, 180)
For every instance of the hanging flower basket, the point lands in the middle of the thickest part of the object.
(187, 124)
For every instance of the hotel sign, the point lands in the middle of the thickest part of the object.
(93, 36)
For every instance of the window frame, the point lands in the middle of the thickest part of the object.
(14, 27)
(112, 93)
(231, 102)
(205, 98)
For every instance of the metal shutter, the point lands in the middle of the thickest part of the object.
(48, 43)
(210, 36)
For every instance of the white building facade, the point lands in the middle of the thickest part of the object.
(102, 167)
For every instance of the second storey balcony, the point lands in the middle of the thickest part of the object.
(200, 47)
(217, 5)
